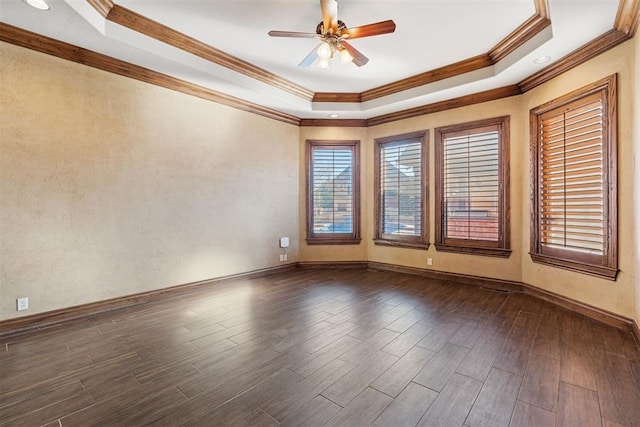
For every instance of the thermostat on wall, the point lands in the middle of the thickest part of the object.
(284, 242)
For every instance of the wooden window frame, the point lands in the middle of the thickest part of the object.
(417, 242)
(334, 238)
(607, 267)
(502, 247)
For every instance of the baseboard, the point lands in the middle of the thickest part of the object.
(507, 285)
(333, 264)
(50, 318)
(590, 311)
(636, 332)
(54, 317)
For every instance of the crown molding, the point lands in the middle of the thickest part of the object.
(525, 32)
(518, 37)
(37, 42)
(626, 25)
(337, 97)
(451, 70)
(628, 17)
(143, 25)
(606, 41)
(102, 6)
(462, 101)
(344, 123)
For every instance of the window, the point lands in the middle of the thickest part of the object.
(573, 149)
(333, 200)
(401, 190)
(472, 187)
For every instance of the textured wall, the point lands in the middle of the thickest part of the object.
(335, 252)
(636, 158)
(110, 186)
(621, 296)
(617, 296)
(508, 268)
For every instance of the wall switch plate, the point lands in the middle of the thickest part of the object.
(429, 261)
(22, 303)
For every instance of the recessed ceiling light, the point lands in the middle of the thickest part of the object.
(38, 4)
(542, 60)
(334, 116)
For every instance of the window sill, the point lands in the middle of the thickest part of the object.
(400, 244)
(333, 241)
(600, 271)
(474, 250)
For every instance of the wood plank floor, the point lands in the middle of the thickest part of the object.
(325, 347)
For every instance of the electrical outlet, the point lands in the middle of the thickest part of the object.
(281, 257)
(429, 261)
(22, 303)
(285, 257)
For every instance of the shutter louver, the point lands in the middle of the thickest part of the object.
(471, 186)
(401, 188)
(332, 187)
(572, 214)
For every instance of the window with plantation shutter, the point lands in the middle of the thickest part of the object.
(333, 192)
(472, 187)
(574, 213)
(400, 189)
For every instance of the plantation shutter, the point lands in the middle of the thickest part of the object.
(332, 189)
(572, 211)
(401, 188)
(471, 185)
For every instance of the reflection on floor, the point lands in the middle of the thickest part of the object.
(337, 347)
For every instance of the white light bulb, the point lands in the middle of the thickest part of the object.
(323, 63)
(38, 4)
(345, 57)
(324, 50)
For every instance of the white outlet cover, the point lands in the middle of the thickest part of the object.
(22, 303)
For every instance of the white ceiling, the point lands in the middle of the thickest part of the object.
(429, 34)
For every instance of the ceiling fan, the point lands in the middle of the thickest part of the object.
(334, 34)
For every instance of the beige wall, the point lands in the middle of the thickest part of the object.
(334, 252)
(509, 269)
(110, 186)
(617, 296)
(636, 158)
(502, 268)
(622, 296)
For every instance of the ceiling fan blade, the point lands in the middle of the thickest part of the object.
(274, 33)
(329, 14)
(369, 30)
(358, 58)
(308, 60)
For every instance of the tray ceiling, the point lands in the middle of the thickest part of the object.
(223, 46)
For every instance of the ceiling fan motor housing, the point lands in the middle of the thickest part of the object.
(321, 31)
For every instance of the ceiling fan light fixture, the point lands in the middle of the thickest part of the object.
(323, 63)
(345, 56)
(38, 4)
(324, 51)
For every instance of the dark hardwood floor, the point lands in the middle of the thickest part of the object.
(326, 347)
